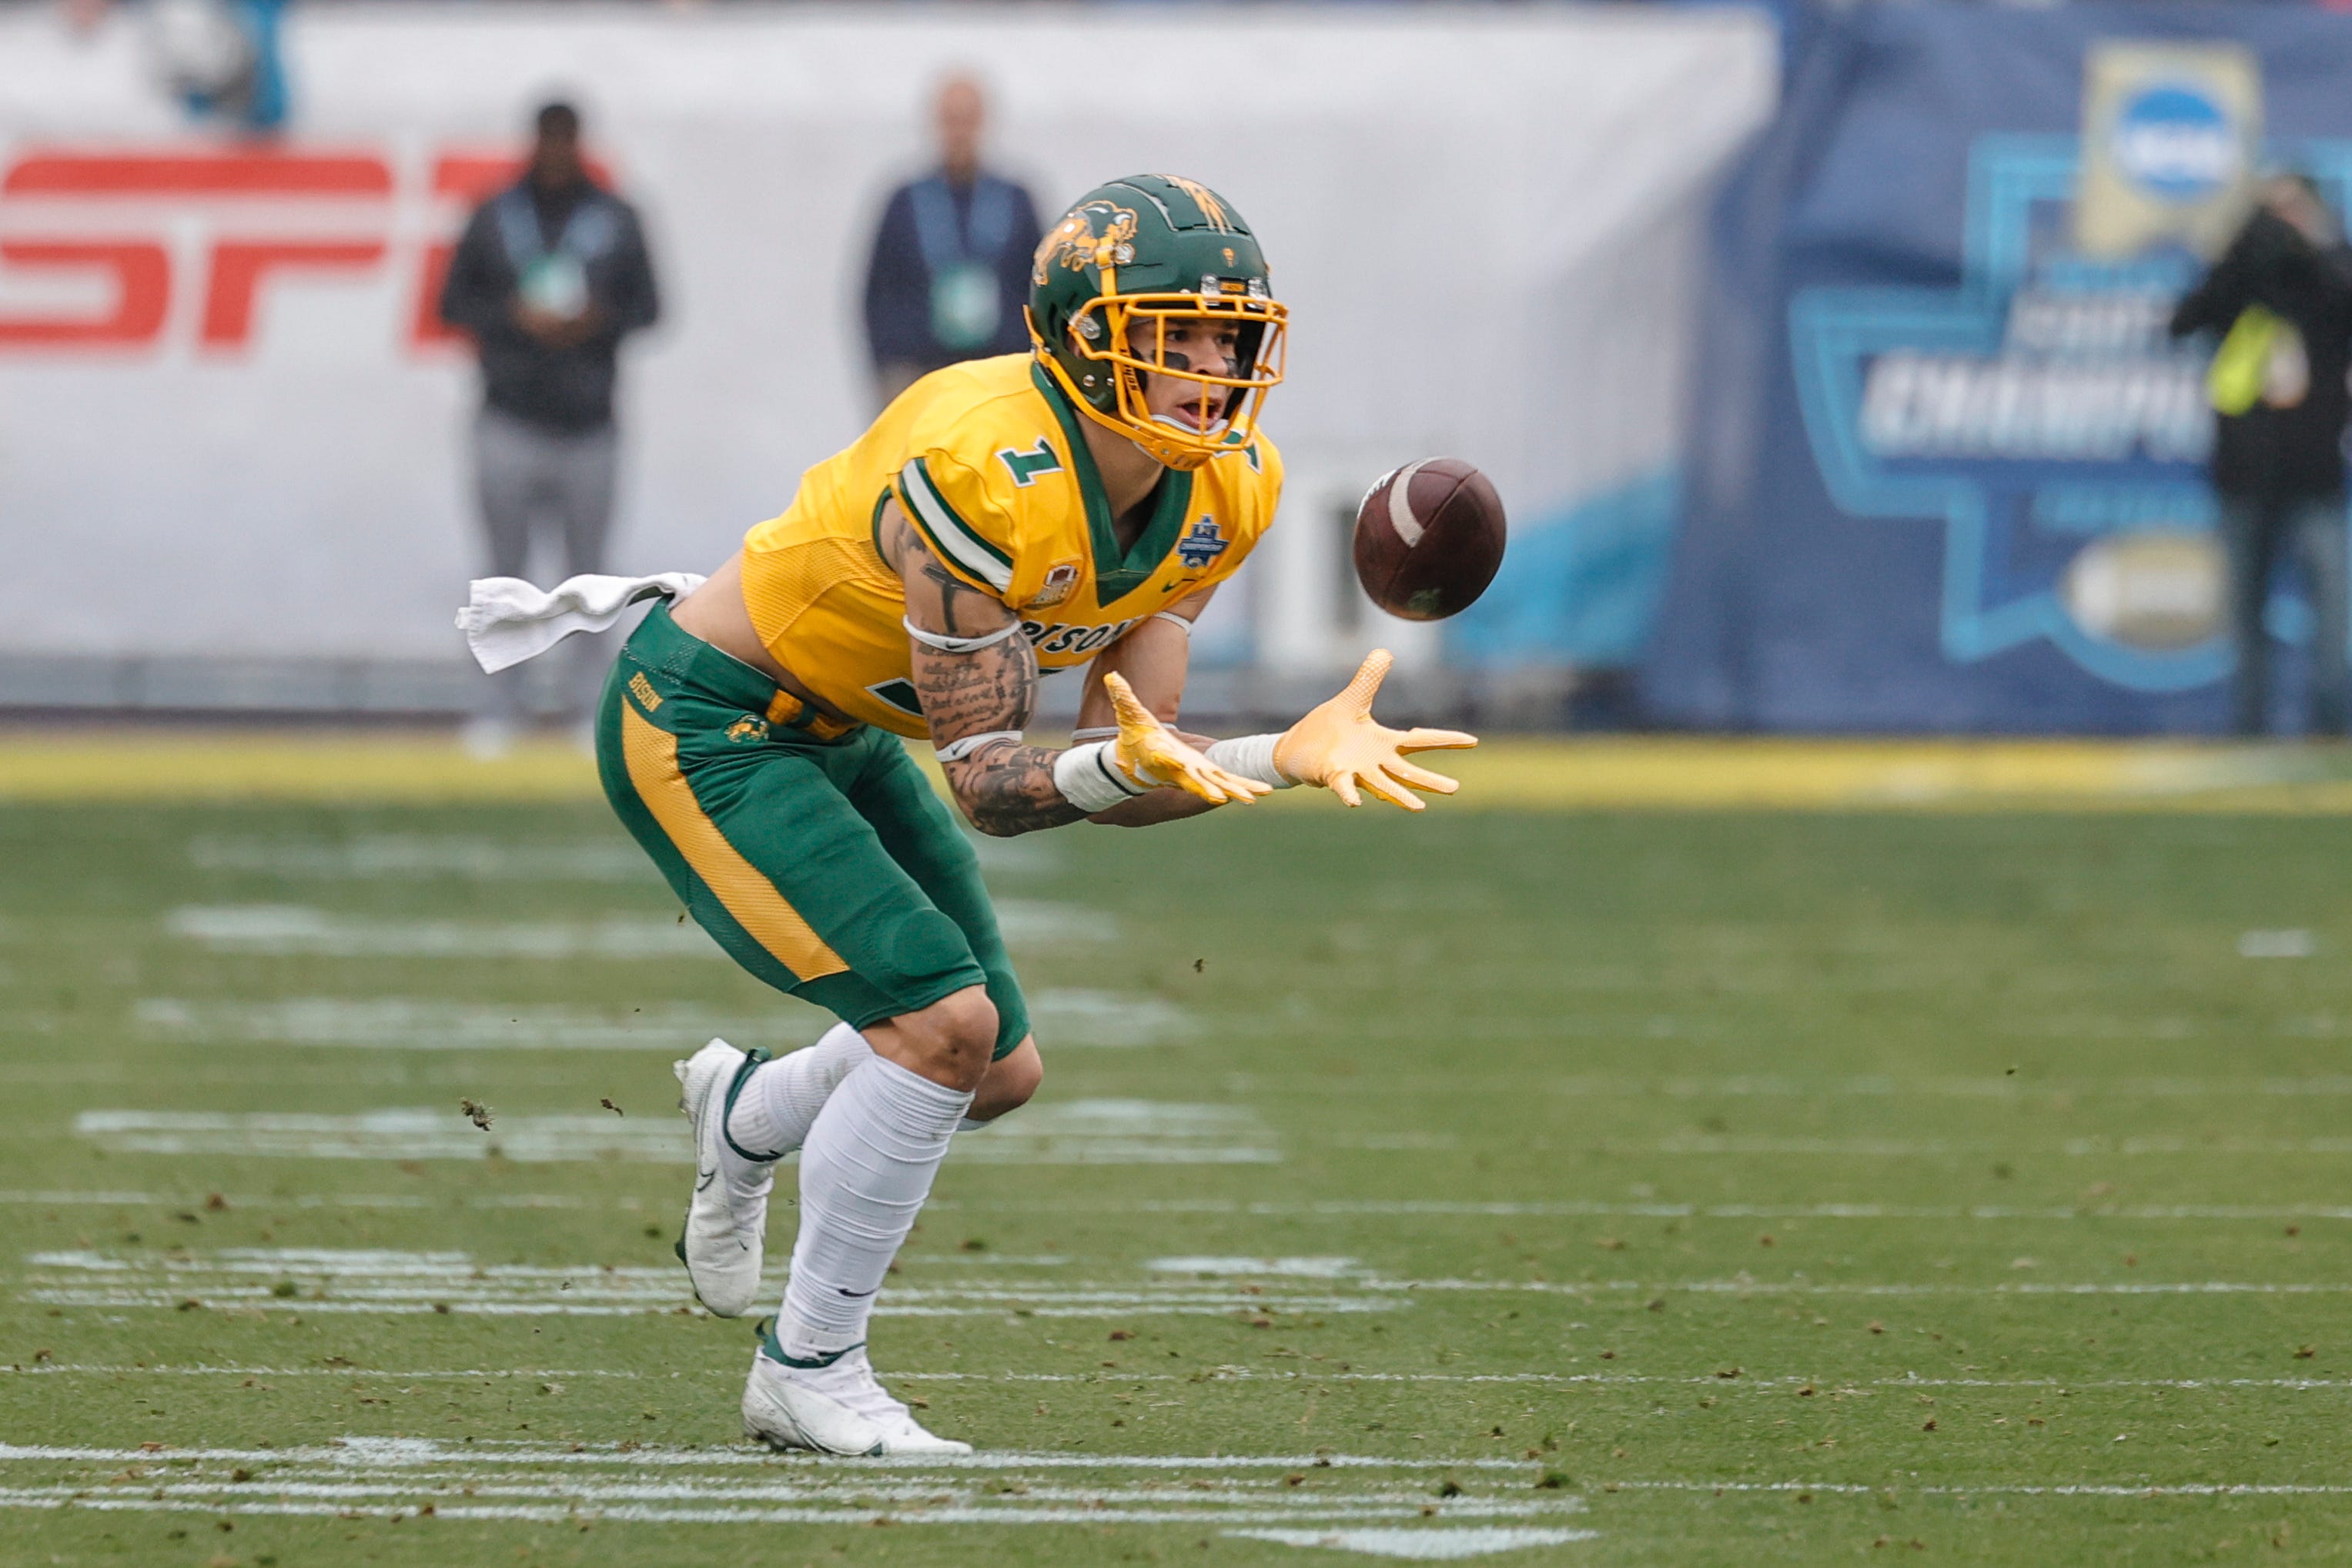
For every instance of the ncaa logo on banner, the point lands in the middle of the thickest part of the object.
(2040, 410)
(2170, 137)
(2175, 142)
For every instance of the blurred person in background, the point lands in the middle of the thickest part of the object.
(2282, 297)
(951, 265)
(551, 274)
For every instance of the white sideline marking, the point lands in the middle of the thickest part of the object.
(1398, 1209)
(2276, 944)
(1739, 1287)
(286, 929)
(657, 1484)
(487, 1374)
(410, 1023)
(311, 1200)
(1041, 923)
(2001, 1088)
(1911, 1148)
(2069, 1488)
(1121, 1131)
(406, 1134)
(1827, 1386)
(1064, 1018)
(1571, 1209)
(1063, 1132)
(1088, 1017)
(370, 856)
(290, 930)
(381, 1452)
(1581, 1210)
(375, 1280)
(1298, 1268)
(1424, 1544)
(1742, 1086)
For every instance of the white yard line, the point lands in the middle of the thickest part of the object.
(375, 1454)
(1210, 1376)
(1217, 1374)
(525, 1201)
(1068, 1132)
(2069, 1488)
(375, 1281)
(1420, 1545)
(1440, 1209)
(1926, 1148)
(1068, 1018)
(370, 856)
(279, 930)
(1997, 1087)
(411, 1023)
(1073, 1018)
(1402, 1208)
(626, 1483)
(413, 856)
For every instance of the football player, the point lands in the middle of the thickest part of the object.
(1076, 506)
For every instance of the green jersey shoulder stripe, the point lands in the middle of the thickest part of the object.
(950, 535)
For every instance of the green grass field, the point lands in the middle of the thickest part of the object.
(1614, 1189)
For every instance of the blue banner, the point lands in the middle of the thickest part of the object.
(1947, 470)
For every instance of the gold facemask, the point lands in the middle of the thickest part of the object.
(1228, 406)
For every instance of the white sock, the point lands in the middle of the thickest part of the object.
(772, 1116)
(865, 1172)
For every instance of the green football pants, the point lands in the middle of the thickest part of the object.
(821, 859)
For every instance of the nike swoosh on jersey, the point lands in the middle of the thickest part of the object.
(704, 1179)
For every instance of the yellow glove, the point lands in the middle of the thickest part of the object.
(1339, 746)
(1149, 753)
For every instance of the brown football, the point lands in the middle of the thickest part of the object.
(1429, 538)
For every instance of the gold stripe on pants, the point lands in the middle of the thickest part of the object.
(651, 753)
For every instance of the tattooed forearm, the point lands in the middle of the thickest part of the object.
(1004, 787)
(1008, 788)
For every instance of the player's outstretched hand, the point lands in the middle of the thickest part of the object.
(1340, 745)
(1149, 752)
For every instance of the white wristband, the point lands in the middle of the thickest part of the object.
(1252, 757)
(1089, 781)
(957, 750)
(947, 644)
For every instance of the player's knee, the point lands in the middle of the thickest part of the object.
(951, 1039)
(1012, 1081)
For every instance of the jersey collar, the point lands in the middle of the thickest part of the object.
(1117, 575)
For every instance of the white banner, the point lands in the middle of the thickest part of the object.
(226, 432)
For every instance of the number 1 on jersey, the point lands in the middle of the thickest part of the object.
(1026, 466)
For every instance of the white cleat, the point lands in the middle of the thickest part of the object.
(725, 1221)
(837, 1408)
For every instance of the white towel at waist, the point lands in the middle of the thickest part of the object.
(507, 619)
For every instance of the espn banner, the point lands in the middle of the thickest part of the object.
(1947, 468)
(233, 433)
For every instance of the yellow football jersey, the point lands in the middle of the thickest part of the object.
(987, 461)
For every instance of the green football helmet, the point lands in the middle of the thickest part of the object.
(1145, 251)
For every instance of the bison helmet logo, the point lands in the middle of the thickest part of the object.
(1095, 234)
